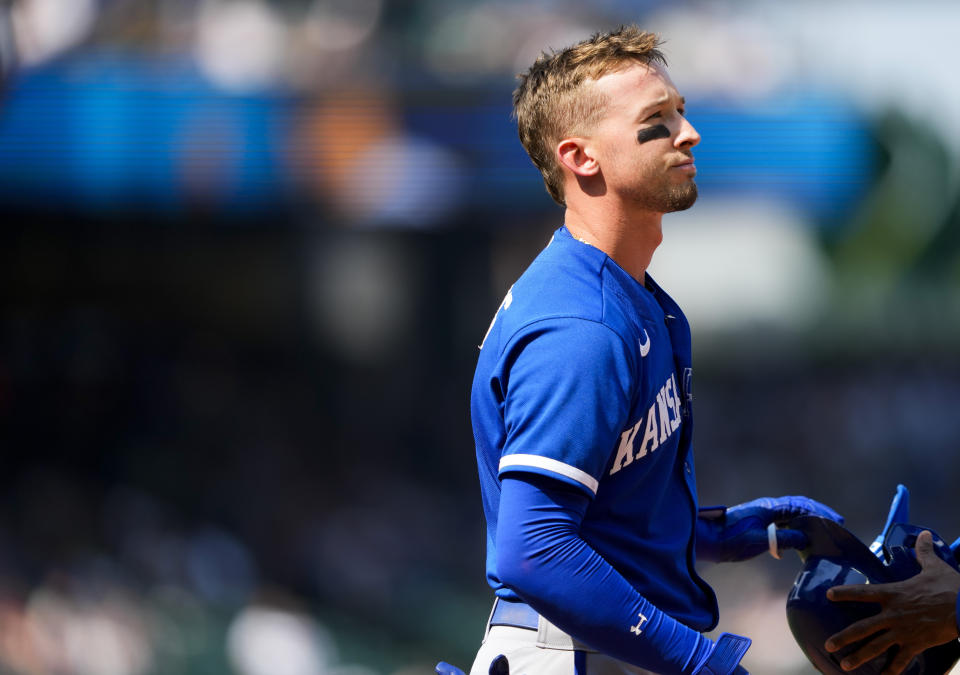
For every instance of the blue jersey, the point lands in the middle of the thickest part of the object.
(584, 376)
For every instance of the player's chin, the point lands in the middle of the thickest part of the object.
(683, 197)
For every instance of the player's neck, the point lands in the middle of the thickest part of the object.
(630, 239)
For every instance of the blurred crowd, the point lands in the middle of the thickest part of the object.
(250, 247)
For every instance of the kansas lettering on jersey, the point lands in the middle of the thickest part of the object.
(660, 422)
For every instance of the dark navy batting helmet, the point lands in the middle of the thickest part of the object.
(836, 557)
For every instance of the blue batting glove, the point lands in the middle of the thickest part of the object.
(740, 532)
(724, 658)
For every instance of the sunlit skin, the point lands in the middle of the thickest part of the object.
(621, 176)
(915, 614)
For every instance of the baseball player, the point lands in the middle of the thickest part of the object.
(582, 403)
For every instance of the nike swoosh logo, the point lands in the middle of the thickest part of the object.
(644, 346)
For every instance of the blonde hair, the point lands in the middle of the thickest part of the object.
(551, 102)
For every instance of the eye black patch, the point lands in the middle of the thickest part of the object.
(653, 133)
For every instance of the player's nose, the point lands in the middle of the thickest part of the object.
(688, 136)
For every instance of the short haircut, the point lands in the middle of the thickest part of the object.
(552, 103)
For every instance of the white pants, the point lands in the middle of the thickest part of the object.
(546, 651)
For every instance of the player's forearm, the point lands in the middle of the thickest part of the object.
(541, 556)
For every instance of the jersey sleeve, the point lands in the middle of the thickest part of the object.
(568, 388)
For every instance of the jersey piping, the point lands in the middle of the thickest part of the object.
(552, 465)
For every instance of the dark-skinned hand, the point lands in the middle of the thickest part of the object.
(916, 614)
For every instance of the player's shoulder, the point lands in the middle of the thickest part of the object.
(565, 279)
(571, 282)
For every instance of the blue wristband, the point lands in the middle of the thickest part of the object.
(726, 655)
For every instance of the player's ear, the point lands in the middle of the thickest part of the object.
(575, 154)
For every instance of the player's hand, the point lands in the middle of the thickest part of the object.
(916, 614)
(740, 532)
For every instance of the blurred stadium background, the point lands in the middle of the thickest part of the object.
(249, 248)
